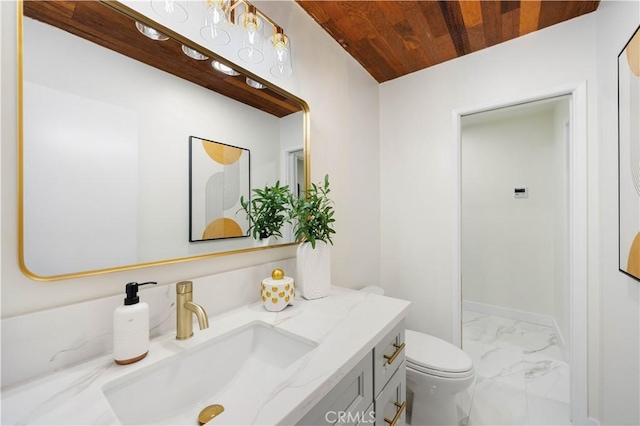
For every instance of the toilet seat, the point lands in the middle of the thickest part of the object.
(437, 373)
(430, 355)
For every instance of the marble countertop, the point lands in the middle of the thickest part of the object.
(346, 325)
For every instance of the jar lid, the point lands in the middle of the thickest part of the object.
(277, 278)
(277, 274)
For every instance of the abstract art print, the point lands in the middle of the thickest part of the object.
(629, 156)
(219, 175)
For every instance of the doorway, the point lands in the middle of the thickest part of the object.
(513, 261)
(294, 178)
(295, 171)
(573, 319)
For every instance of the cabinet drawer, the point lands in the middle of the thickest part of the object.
(369, 416)
(347, 402)
(387, 356)
(391, 404)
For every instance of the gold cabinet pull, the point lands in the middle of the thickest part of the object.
(401, 408)
(393, 357)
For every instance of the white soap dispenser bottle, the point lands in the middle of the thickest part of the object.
(131, 327)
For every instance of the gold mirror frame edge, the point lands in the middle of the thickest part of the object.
(20, 132)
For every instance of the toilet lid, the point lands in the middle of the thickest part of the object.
(435, 354)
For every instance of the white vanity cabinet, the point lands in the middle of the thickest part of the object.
(374, 392)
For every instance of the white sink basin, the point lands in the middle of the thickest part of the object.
(240, 370)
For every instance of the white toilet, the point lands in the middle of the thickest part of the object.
(436, 372)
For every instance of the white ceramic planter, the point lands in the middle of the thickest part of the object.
(269, 241)
(313, 277)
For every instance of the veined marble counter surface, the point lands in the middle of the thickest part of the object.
(346, 325)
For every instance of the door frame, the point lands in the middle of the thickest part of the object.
(286, 178)
(577, 233)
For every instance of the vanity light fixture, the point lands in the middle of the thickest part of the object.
(219, 66)
(192, 53)
(221, 17)
(150, 32)
(255, 84)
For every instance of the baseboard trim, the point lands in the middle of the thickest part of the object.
(592, 422)
(560, 338)
(518, 315)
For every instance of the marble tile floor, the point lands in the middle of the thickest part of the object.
(521, 375)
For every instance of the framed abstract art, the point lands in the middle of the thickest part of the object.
(629, 157)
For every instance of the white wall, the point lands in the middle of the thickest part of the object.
(508, 244)
(291, 133)
(344, 140)
(343, 100)
(619, 295)
(418, 146)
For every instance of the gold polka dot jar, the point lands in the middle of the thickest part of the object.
(278, 291)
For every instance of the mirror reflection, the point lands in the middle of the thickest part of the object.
(106, 133)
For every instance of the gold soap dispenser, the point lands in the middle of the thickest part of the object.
(277, 291)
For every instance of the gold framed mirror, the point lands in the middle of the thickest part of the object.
(105, 119)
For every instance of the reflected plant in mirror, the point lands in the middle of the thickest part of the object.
(267, 211)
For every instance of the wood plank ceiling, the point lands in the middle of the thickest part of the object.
(394, 38)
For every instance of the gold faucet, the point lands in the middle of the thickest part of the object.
(186, 308)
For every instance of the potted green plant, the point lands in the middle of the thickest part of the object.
(312, 218)
(267, 212)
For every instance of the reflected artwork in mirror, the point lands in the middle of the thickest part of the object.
(219, 176)
(105, 115)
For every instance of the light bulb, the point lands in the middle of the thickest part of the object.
(171, 10)
(282, 66)
(218, 66)
(152, 33)
(215, 29)
(192, 53)
(251, 50)
(255, 84)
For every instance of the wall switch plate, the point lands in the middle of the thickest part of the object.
(520, 192)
